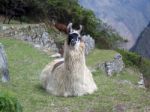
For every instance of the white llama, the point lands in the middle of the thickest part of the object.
(71, 77)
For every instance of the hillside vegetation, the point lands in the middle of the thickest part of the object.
(26, 63)
(61, 11)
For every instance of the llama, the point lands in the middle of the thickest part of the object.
(60, 26)
(70, 77)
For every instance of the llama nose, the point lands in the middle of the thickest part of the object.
(73, 42)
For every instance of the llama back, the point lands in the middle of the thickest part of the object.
(46, 73)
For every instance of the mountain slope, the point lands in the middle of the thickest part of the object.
(128, 17)
(142, 45)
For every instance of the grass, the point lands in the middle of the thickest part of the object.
(129, 74)
(99, 56)
(26, 63)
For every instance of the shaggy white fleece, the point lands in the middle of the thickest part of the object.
(71, 78)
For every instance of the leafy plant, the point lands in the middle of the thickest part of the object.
(9, 103)
(130, 58)
(145, 68)
(133, 59)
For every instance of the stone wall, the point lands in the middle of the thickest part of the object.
(35, 34)
(38, 35)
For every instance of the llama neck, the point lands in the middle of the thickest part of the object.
(74, 62)
(74, 59)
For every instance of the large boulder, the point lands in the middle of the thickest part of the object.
(3, 64)
(89, 43)
(114, 66)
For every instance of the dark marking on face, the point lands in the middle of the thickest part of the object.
(73, 38)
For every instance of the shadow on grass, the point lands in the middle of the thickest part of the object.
(40, 88)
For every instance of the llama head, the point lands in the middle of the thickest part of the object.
(74, 36)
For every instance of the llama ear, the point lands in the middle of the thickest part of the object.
(69, 28)
(80, 29)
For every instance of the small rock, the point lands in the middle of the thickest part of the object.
(120, 108)
(141, 82)
(37, 46)
(57, 55)
(118, 56)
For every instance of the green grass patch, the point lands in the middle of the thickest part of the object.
(129, 74)
(99, 56)
(26, 63)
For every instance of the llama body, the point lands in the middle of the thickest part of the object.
(71, 78)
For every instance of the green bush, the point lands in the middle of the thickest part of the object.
(133, 59)
(65, 11)
(145, 67)
(9, 103)
(130, 58)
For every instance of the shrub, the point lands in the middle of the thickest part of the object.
(130, 58)
(133, 59)
(64, 11)
(9, 103)
(145, 67)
